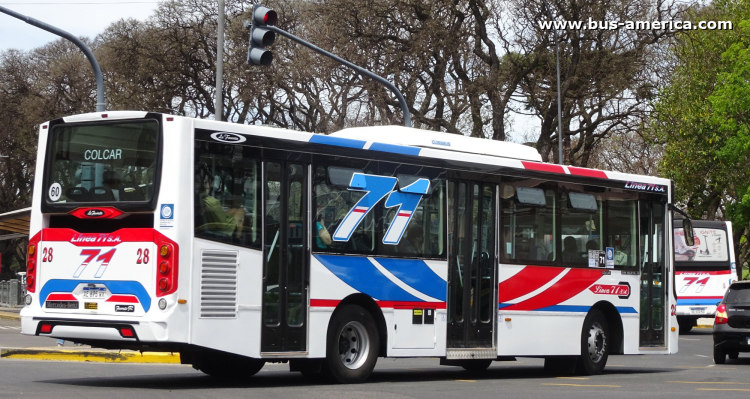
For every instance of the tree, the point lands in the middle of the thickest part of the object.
(702, 119)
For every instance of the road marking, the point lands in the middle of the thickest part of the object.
(583, 385)
(574, 378)
(9, 328)
(722, 389)
(466, 380)
(701, 355)
(709, 382)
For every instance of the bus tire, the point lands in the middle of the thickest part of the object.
(720, 357)
(476, 365)
(594, 344)
(352, 345)
(227, 366)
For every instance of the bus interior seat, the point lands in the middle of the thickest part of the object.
(77, 194)
(101, 193)
(131, 193)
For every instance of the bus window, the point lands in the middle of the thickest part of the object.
(528, 221)
(227, 179)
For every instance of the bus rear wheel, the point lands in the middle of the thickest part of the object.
(594, 344)
(352, 346)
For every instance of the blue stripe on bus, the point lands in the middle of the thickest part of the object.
(114, 287)
(337, 141)
(417, 275)
(398, 149)
(572, 308)
(697, 302)
(362, 275)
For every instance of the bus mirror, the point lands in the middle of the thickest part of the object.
(687, 229)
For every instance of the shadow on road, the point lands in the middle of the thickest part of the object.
(276, 379)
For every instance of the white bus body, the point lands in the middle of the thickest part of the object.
(166, 233)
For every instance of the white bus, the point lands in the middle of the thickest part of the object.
(703, 271)
(237, 245)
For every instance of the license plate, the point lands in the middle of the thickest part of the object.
(94, 293)
(697, 310)
(61, 304)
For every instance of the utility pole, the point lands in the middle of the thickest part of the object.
(59, 32)
(219, 100)
(559, 102)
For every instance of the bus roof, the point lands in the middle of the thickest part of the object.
(444, 141)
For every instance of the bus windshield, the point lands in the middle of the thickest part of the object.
(711, 245)
(102, 163)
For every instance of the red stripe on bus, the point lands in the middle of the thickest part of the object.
(324, 303)
(98, 239)
(529, 279)
(404, 214)
(543, 167)
(569, 286)
(61, 297)
(360, 210)
(710, 273)
(123, 298)
(587, 172)
(332, 303)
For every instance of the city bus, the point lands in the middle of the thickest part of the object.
(703, 271)
(237, 245)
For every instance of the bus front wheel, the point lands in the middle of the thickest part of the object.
(352, 345)
(226, 365)
(594, 344)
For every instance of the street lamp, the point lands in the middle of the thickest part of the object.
(559, 103)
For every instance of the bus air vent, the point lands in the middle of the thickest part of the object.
(219, 283)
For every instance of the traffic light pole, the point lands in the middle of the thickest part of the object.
(59, 32)
(389, 85)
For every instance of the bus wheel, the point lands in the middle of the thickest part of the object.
(594, 344)
(477, 365)
(227, 366)
(352, 346)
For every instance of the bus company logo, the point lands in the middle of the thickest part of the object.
(622, 289)
(125, 308)
(656, 188)
(443, 143)
(96, 238)
(94, 213)
(228, 137)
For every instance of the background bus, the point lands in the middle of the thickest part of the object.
(235, 245)
(703, 271)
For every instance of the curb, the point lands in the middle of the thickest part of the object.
(10, 316)
(90, 356)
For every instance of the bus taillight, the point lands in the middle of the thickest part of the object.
(31, 263)
(166, 270)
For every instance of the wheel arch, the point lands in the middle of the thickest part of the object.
(614, 322)
(369, 304)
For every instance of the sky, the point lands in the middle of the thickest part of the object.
(82, 18)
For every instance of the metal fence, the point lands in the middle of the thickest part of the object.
(11, 293)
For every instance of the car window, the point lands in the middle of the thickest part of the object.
(738, 294)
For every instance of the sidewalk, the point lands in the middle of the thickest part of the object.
(38, 351)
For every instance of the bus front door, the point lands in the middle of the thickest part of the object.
(285, 266)
(472, 270)
(653, 279)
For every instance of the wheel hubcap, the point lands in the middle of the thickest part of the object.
(597, 343)
(354, 344)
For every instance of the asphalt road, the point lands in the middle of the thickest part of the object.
(690, 373)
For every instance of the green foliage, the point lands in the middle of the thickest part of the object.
(703, 119)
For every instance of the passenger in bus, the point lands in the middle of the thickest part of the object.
(323, 239)
(217, 220)
(413, 242)
(570, 250)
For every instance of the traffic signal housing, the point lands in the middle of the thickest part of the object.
(261, 37)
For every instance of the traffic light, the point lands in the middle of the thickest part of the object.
(260, 37)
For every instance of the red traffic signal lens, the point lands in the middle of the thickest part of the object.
(264, 15)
